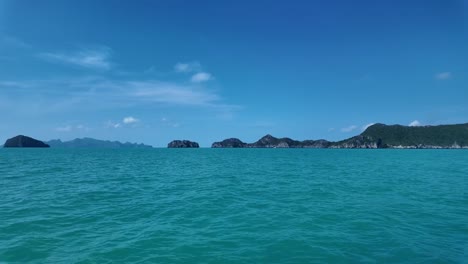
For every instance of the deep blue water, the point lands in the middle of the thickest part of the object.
(233, 206)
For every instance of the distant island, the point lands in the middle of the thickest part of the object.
(93, 143)
(24, 142)
(182, 144)
(375, 136)
(270, 141)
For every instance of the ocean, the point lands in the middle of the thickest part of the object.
(233, 206)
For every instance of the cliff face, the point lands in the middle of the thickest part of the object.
(24, 142)
(182, 144)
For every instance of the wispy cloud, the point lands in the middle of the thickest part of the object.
(443, 76)
(69, 128)
(130, 120)
(201, 77)
(415, 123)
(111, 124)
(11, 41)
(349, 129)
(166, 122)
(187, 67)
(64, 129)
(97, 93)
(171, 93)
(193, 67)
(93, 58)
(118, 93)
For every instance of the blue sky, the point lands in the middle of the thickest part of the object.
(153, 71)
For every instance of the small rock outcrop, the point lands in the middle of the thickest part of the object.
(24, 142)
(182, 144)
(229, 143)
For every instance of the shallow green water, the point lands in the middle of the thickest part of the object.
(233, 206)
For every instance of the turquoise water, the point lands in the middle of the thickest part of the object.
(233, 206)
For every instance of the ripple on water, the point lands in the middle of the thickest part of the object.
(233, 206)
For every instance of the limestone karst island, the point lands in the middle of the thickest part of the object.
(375, 136)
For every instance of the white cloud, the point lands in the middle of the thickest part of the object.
(97, 58)
(111, 124)
(13, 42)
(83, 127)
(130, 120)
(331, 129)
(169, 123)
(349, 128)
(201, 77)
(443, 76)
(170, 93)
(187, 67)
(366, 126)
(98, 93)
(69, 128)
(415, 123)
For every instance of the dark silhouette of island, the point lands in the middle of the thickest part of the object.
(24, 142)
(375, 136)
(182, 144)
(93, 143)
(270, 141)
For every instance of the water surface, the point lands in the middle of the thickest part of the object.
(233, 206)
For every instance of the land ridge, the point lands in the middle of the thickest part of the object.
(375, 136)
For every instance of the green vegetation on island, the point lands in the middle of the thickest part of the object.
(375, 136)
(398, 136)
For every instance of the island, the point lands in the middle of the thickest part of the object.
(375, 136)
(270, 141)
(182, 144)
(24, 142)
(94, 143)
(229, 143)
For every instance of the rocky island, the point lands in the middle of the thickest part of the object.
(270, 141)
(398, 136)
(94, 143)
(24, 142)
(182, 144)
(375, 136)
(229, 143)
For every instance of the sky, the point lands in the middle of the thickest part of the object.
(154, 71)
